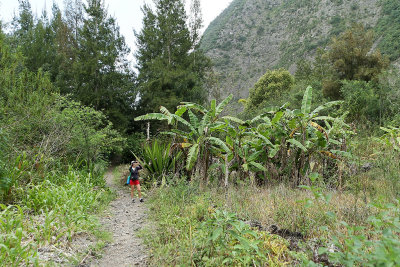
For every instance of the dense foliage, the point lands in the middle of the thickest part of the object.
(82, 51)
(67, 95)
(54, 152)
(350, 58)
(273, 84)
(171, 66)
(275, 145)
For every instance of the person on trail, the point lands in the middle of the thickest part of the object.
(134, 170)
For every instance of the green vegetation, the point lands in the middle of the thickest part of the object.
(273, 84)
(66, 45)
(388, 28)
(51, 214)
(350, 58)
(171, 66)
(54, 152)
(296, 179)
(202, 222)
(188, 227)
(67, 95)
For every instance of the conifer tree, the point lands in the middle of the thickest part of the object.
(168, 70)
(101, 71)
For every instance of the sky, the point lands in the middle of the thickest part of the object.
(127, 12)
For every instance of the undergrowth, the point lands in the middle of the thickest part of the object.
(48, 217)
(209, 226)
(191, 230)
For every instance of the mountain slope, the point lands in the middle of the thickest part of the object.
(251, 36)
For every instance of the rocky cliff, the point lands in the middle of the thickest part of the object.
(251, 36)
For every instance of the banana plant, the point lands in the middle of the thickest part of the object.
(285, 140)
(197, 135)
(240, 141)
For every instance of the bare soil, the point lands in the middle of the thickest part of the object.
(123, 219)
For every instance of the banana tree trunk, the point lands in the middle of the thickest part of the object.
(226, 170)
(206, 156)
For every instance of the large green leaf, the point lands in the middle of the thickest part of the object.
(183, 121)
(306, 103)
(233, 119)
(166, 112)
(216, 126)
(193, 119)
(204, 123)
(192, 156)
(179, 112)
(152, 116)
(263, 138)
(258, 165)
(212, 109)
(219, 142)
(194, 106)
(263, 118)
(255, 155)
(297, 144)
(222, 105)
(278, 116)
(324, 106)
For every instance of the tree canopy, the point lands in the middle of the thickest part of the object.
(352, 57)
(271, 85)
(171, 67)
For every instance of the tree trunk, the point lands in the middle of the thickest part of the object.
(205, 176)
(148, 131)
(226, 170)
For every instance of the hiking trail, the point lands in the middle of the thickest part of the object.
(123, 220)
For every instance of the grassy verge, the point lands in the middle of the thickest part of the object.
(205, 227)
(49, 218)
(189, 229)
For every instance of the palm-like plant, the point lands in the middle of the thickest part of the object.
(196, 136)
(159, 158)
(285, 141)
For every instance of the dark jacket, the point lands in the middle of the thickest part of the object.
(135, 172)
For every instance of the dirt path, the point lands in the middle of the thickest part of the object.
(123, 220)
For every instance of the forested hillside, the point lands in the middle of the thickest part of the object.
(251, 36)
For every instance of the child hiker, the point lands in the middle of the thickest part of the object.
(134, 170)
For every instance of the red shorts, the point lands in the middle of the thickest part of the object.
(134, 182)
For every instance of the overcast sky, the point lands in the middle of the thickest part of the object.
(127, 12)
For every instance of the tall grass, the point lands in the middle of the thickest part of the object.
(49, 216)
(194, 226)
(189, 231)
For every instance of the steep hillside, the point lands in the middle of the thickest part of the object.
(251, 36)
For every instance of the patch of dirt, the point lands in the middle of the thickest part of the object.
(123, 220)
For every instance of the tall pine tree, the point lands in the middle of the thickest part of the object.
(171, 68)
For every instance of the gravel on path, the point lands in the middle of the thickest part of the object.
(123, 220)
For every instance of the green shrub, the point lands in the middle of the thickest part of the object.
(271, 85)
(231, 242)
(361, 100)
(381, 248)
(160, 159)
